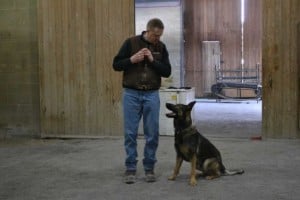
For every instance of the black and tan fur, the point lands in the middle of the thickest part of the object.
(193, 147)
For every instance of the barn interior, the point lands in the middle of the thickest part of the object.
(61, 134)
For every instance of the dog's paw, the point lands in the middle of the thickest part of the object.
(193, 182)
(172, 178)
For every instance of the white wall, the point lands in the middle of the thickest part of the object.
(172, 19)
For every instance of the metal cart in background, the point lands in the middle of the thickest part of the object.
(238, 80)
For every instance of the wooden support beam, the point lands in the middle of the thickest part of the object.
(280, 69)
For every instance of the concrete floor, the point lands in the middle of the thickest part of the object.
(229, 118)
(93, 169)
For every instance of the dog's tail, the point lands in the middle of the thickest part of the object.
(232, 172)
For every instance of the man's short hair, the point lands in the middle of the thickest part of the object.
(155, 23)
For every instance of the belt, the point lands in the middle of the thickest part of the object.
(141, 88)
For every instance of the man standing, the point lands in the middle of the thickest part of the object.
(144, 59)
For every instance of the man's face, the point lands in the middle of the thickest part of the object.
(153, 35)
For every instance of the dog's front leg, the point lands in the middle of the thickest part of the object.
(193, 180)
(176, 169)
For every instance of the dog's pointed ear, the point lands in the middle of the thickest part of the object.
(191, 104)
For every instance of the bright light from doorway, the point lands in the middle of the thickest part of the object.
(242, 21)
(242, 11)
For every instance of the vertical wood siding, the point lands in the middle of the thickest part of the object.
(280, 69)
(298, 63)
(253, 34)
(80, 93)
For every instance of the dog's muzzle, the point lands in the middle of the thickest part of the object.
(171, 115)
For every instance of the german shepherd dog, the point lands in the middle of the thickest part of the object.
(193, 147)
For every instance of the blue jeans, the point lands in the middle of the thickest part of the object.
(138, 104)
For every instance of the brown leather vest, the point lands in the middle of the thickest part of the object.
(142, 76)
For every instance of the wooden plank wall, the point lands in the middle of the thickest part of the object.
(253, 35)
(280, 69)
(298, 63)
(210, 20)
(80, 94)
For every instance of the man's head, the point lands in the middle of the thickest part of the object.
(155, 28)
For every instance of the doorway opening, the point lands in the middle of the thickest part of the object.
(234, 118)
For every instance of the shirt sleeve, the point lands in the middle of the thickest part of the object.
(122, 60)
